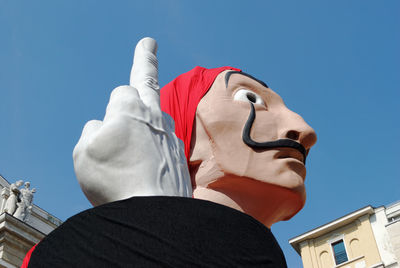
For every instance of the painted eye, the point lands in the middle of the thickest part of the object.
(248, 95)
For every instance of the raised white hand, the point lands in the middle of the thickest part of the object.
(134, 150)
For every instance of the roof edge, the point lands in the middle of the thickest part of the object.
(327, 227)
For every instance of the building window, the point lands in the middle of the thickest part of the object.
(339, 252)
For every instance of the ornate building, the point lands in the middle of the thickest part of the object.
(368, 237)
(22, 224)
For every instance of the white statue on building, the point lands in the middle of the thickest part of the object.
(24, 207)
(14, 193)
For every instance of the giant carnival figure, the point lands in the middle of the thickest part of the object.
(192, 175)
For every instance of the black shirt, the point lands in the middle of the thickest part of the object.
(159, 231)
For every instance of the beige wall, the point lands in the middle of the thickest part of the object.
(359, 241)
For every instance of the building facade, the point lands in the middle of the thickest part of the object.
(20, 229)
(368, 237)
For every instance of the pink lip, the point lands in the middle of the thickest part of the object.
(289, 153)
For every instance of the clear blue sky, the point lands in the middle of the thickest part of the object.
(337, 63)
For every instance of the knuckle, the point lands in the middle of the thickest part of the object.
(89, 129)
(110, 140)
(94, 148)
(151, 82)
(123, 99)
(124, 92)
(90, 126)
(152, 60)
(76, 152)
(147, 82)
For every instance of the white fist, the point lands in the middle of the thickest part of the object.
(134, 150)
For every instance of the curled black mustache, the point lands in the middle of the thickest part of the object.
(268, 144)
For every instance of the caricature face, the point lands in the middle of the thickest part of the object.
(240, 171)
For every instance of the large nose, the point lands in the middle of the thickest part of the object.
(292, 126)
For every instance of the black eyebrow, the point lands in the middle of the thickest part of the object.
(228, 75)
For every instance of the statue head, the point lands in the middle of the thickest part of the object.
(247, 149)
(19, 183)
(27, 184)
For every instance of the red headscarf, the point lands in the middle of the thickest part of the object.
(180, 97)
